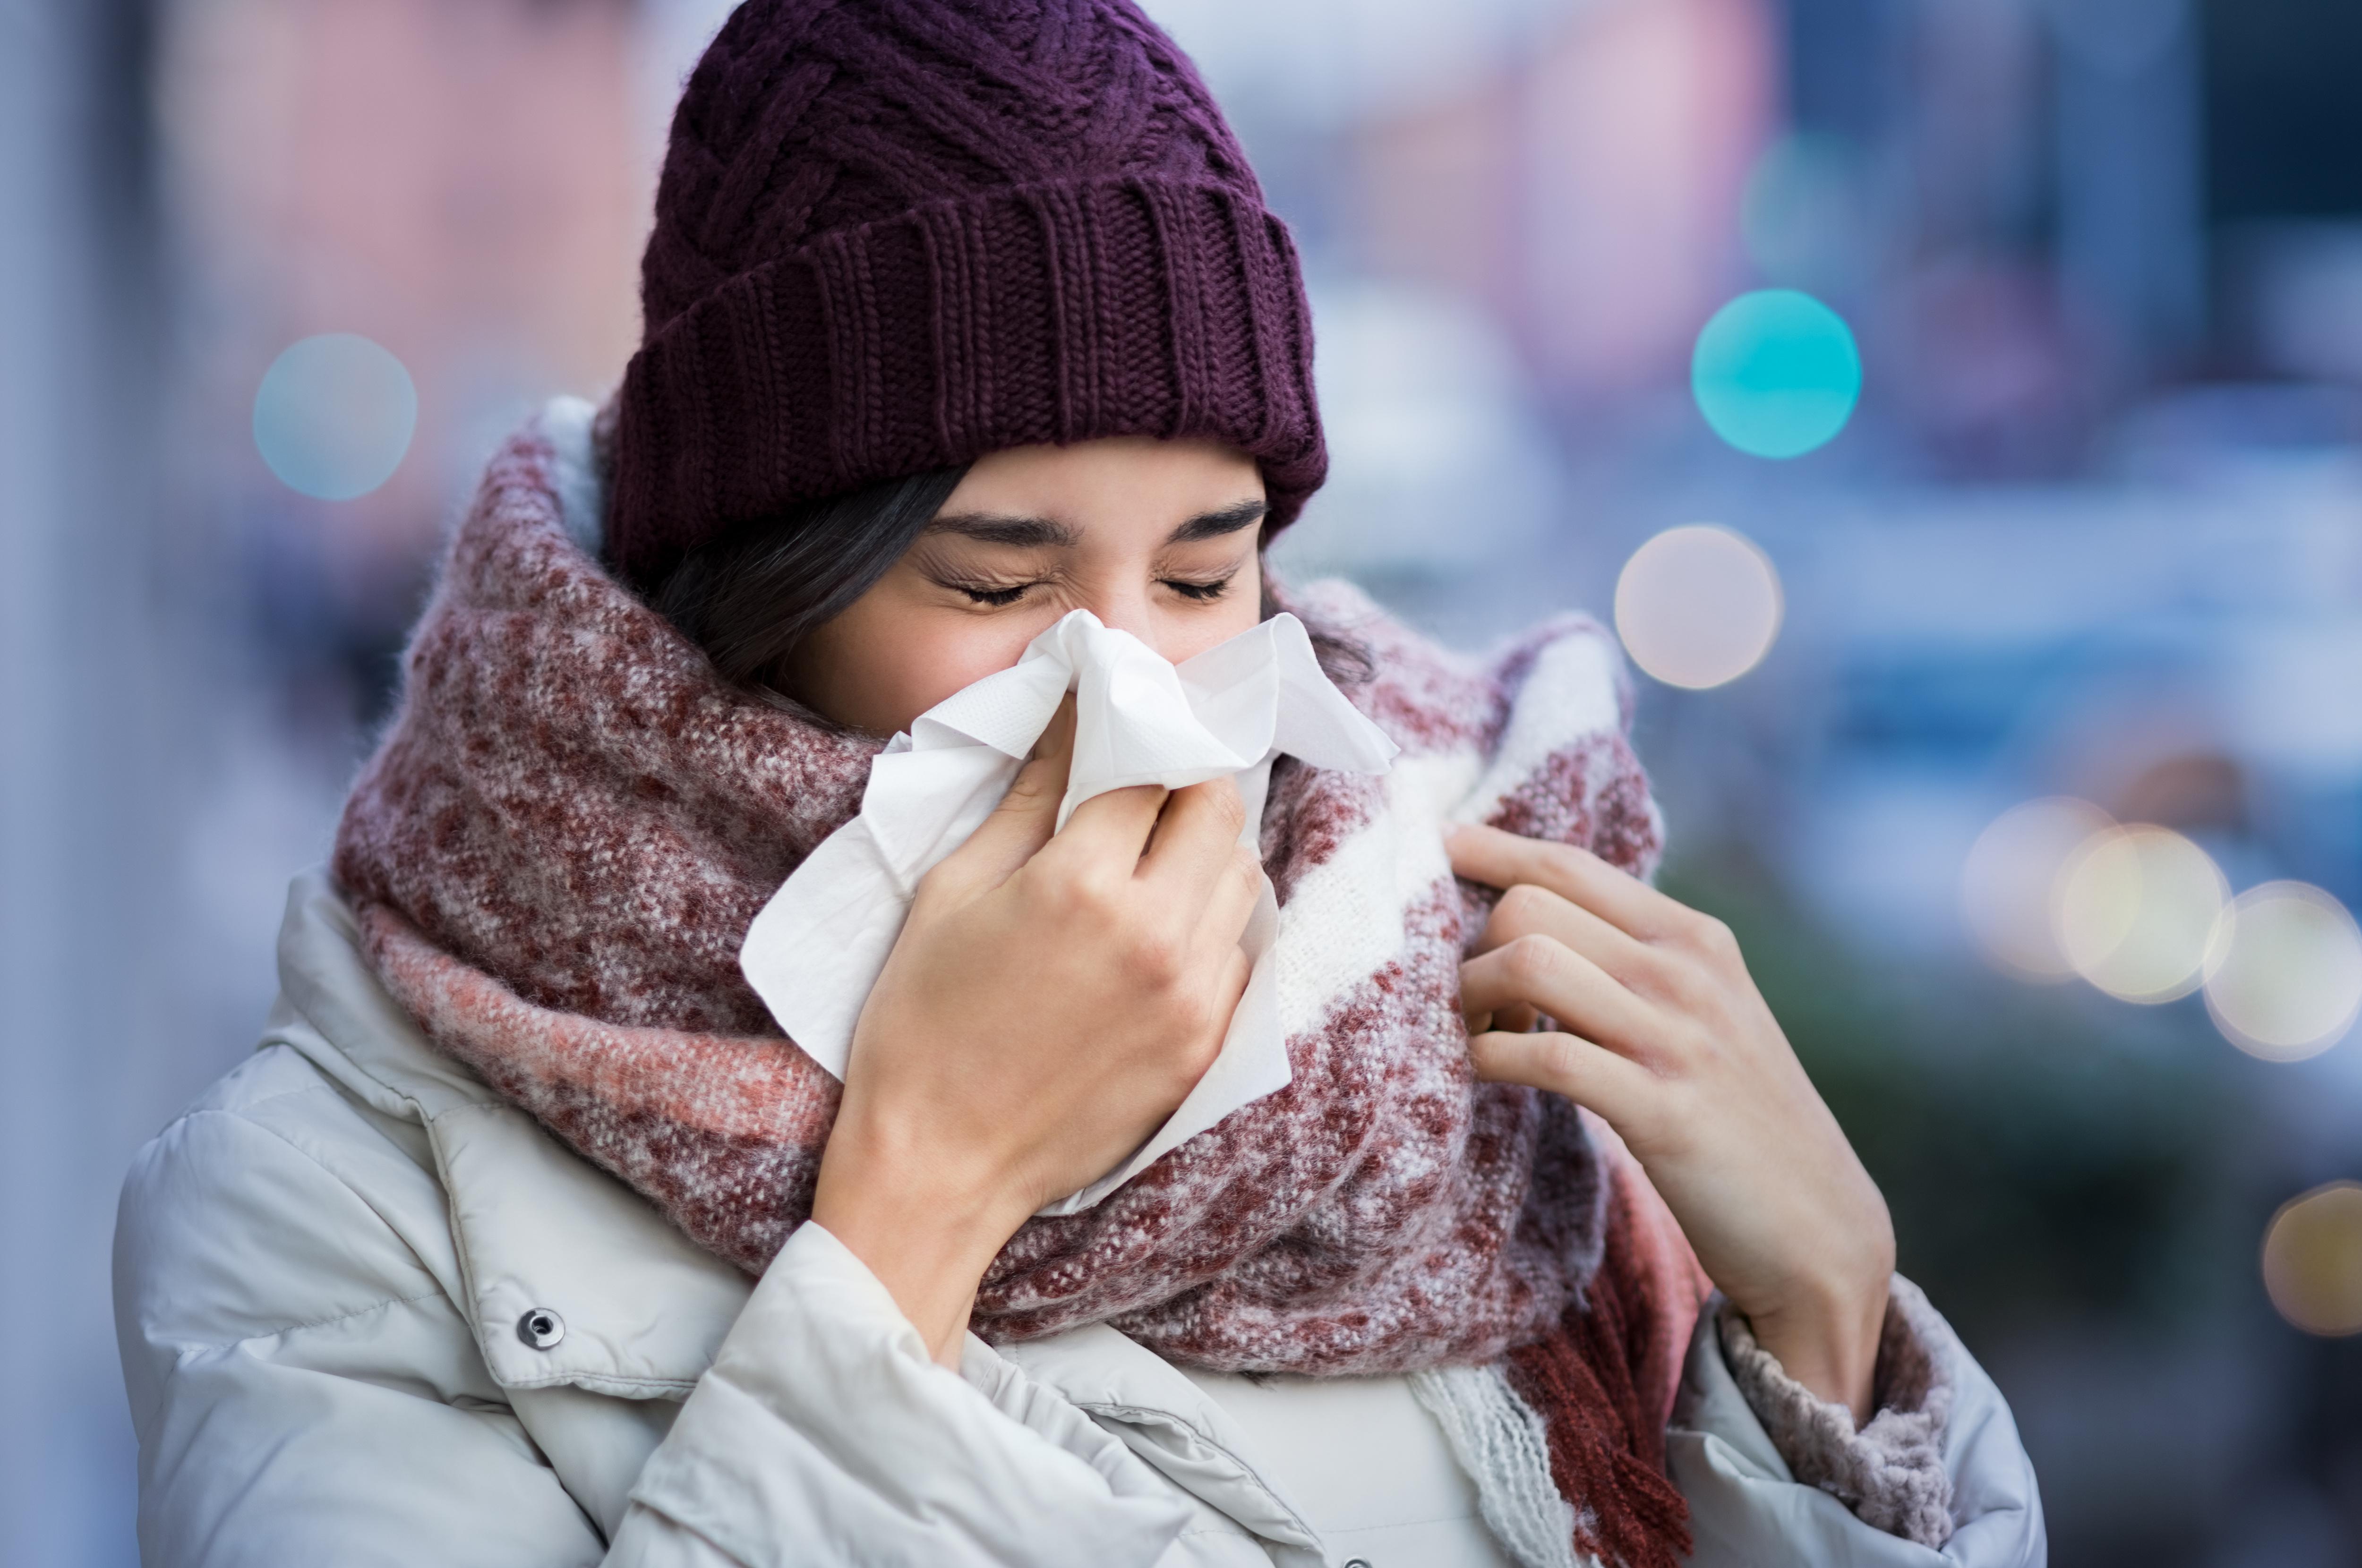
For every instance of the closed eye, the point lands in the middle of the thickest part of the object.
(1200, 591)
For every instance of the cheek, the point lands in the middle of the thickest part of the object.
(926, 659)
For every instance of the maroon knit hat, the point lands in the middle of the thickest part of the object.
(897, 235)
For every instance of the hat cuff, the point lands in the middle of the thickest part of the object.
(1028, 314)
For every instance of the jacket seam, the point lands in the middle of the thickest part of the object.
(320, 1166)
(240, 1110)
(334, 1082)
(587, 1380)
(180, 1357)
(1135, 1415)
(323, 1322)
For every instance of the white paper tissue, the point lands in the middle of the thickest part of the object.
(817, 947)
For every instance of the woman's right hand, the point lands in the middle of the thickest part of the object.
(1050, 1001)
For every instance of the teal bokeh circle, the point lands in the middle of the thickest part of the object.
(1776, 373)
(334, 415)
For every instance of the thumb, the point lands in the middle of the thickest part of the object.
(1027, 815)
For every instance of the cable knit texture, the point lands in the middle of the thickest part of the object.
(893, 235)
(557, 850)
(1891, 1473)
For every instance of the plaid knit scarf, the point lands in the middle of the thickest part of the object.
(556, 851)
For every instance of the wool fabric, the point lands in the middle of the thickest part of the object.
(1890, 1472)
(893, 235)
(557, 850)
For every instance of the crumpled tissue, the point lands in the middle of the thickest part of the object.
(816, 948)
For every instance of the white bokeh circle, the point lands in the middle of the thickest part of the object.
(1698, 606)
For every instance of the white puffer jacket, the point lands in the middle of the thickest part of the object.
(370, 1312)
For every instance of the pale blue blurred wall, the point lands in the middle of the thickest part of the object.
(82, 808)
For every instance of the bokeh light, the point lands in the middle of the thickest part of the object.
(2290, 984)
(1698, 606)
(1776, 373)
(2313, 1260)
(334, 415)
(2139, 913)
(2009, 881)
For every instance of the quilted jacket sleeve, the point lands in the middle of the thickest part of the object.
(763, 1464)
(305, 1390)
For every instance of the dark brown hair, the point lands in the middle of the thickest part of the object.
(751, 595)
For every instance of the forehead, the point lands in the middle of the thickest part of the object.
(1120, 485)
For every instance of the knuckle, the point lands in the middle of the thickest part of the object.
(1530, 961)
(1656, 972)
(1031, 785)
(1563, 861)
(943, 882)
(1076, 891)
(1712, 937)
(1681, 1052)
(1684, 983)
(1191, 1019)
(1157, 959)
(1559, 1057)
(1520, 908)
(1229, 808)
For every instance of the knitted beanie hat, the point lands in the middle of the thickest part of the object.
(894, 236)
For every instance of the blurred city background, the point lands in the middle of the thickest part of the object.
(1956, 404)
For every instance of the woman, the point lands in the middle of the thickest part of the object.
(526, 1240)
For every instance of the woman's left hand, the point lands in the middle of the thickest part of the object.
(1663, 1034)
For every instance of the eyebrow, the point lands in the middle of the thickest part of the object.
(1213, 525)
(1033, 533)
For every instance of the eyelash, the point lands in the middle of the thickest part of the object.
(1001, 597)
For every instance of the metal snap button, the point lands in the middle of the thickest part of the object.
(541, 1328)
(1357, 1562)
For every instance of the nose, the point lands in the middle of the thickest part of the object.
(1128, 610)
